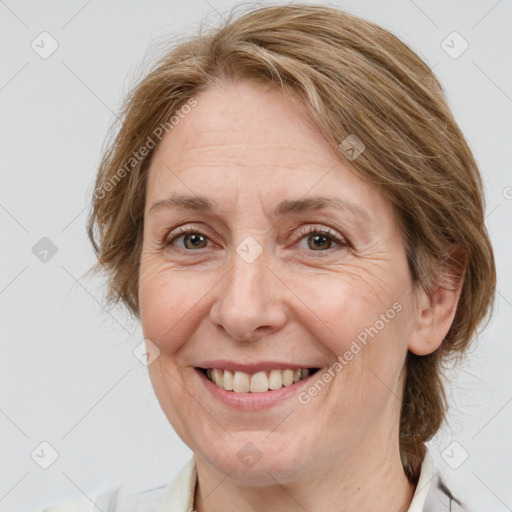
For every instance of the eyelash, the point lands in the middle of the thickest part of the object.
(303, 232)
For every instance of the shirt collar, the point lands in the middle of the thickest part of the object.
(424, 484)
(180, 493)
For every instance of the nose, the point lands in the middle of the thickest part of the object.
(249, 303)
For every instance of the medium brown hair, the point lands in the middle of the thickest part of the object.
(355, 78)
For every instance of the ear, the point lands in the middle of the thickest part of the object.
(434, 312)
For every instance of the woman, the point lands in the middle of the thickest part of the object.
(292, 212)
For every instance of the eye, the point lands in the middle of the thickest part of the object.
(318, 239)
(192, 238)
(321, 239)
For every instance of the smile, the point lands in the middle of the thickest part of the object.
(258, 382)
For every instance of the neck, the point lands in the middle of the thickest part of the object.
(370, 478)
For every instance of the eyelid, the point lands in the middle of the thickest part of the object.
(184, 230)
(302, 231)
(307, 230)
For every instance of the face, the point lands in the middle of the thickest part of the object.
(263, 252)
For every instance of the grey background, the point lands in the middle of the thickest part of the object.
(68, 374)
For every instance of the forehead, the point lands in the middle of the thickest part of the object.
(243, 123)
(247, 142)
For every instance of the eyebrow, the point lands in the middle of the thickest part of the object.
(204, 204)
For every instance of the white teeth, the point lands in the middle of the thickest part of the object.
(228, 380)
(287, 377)
(259, 382)
(275, 380)
(240, 382)
(218, 377)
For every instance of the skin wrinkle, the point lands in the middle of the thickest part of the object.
(278, 307)
(290, 305)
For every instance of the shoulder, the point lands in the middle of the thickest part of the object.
(118, 499)
(114, 499)
(74, 505)
(432, 494)
(441, 498)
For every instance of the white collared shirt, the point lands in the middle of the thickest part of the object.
(431, 495)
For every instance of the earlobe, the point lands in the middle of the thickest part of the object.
(435, 311)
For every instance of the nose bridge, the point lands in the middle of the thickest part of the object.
(245, 307)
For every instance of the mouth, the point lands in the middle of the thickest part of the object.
(258, 382)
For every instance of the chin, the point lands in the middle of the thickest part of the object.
(253, 459)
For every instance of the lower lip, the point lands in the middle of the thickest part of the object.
(253, 401)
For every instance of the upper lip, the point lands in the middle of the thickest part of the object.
(261, 366)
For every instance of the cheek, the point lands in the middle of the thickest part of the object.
(173, 302)
(353, 305)
(168, 300)
(361, 317)
(367, 337)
